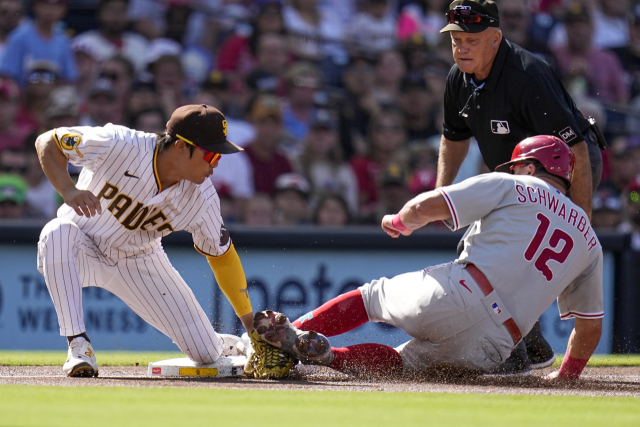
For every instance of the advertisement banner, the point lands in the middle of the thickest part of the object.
(290, 281)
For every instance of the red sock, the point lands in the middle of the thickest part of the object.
(369, 358)
(342, 314)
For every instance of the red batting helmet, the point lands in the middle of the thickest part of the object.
(555, 155)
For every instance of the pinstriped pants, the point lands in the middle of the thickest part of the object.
(69, 260)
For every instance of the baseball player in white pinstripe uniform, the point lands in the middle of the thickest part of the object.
(528, 244)
(135, 188)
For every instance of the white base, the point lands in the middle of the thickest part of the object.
(226, 366)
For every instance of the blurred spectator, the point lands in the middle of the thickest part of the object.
(120, 71)
(624, 159)
(267, 164)
(316, 35)
(607, 209)
(331, 211)
(12, 134)
(229, 206)
(41, 81)
(111, 37)
(585, 68)
(372, 30)
(237, 56)
(425, 18)
(151, 121)
(611, 25)
(100, 107)
(142, 96)
(631, 212)
(63, 109)
(168, 76)
(629, 54)
(390, 70)
(40, 40)
(515, 24)
(42, 197)
(291, 199)
(259, 210)
(423, 160)
(11, 13)
(303, 80)
(322, 163)
(13, 196)
(393, 193)
(88, 65)
(416, 53)
(360, 103)
(386, 137)
(272, 59)
(417, 104)
(435, 74)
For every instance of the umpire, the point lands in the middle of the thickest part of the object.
(500, 94)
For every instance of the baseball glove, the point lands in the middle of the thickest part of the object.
(267, 361)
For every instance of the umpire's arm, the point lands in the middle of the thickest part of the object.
(56, 167)
(581, 191)
(452, 154)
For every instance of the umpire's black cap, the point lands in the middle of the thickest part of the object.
(463, 14)
(202, 125)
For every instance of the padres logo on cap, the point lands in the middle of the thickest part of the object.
(224, 127)
(70, 141)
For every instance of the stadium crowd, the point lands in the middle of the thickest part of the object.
(337, 103)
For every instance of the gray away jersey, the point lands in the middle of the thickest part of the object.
(119, 167)
(533, 244)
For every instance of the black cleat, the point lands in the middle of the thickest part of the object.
(517, 364)
(539, 350)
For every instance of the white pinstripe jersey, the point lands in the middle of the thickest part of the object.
(532, 242)
(119, 167)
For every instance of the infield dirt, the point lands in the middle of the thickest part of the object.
(596, 381)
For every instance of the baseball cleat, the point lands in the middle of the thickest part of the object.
(517, 364)
(539, 350)
(309, 347)
(81, 360)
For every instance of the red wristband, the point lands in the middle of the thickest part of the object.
(572, 368)
(397, 223)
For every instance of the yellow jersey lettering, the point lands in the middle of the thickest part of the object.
(120, 205)
(108, 192)
(138, 214)
(153, 220)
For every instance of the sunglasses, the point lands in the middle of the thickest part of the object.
(209, 156)
(466, 16)
(45, 77)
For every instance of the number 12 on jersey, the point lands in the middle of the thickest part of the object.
(547, 253)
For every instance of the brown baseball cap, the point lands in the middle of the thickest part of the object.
(203, 126)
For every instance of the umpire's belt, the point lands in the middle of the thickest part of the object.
(494, 304)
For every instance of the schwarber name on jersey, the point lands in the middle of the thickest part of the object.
(119, 167)
(520, 235)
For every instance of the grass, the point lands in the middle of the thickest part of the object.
(131, 358)
(157, 407)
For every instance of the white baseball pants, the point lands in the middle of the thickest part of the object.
(69, 260)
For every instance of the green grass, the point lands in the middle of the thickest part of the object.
(130, 358)
(117, 406)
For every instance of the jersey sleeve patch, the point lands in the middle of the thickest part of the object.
(71, 141)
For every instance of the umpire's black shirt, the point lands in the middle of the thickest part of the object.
(521, 97)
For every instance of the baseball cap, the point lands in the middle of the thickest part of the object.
(472, 16)
(322, 120)
(203, 126)
(266, 105)
(13, 188)
(216, 80)
(102, 87)
(304, 74)
(393, 174)
(63, 101)
(576, 12)
(293, 181)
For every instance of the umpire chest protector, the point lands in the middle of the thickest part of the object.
(522, 97)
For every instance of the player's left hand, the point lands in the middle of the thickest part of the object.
(554, 378)
(387, 226)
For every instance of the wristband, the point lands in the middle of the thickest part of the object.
(397, 223)
(571, 368)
